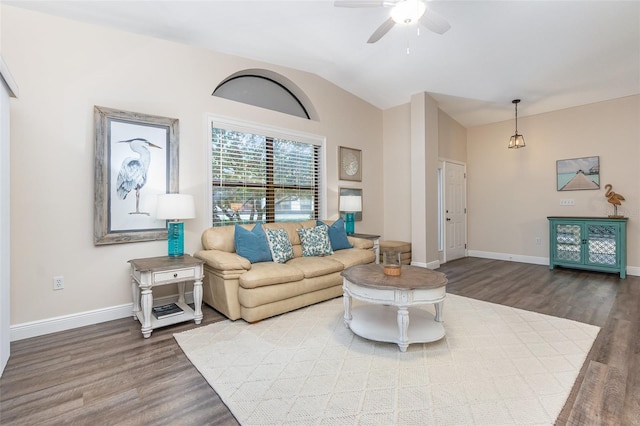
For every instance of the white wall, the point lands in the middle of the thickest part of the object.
(452, 139)
(8, 88)
(397, 173)
(415, 136)
(65, 68)
(511, 192)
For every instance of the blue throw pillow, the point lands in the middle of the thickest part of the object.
(252, 245)
(337, 235)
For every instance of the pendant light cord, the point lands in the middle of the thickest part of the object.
(516, 102)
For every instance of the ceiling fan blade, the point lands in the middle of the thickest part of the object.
(382, 30)
(358, 3)
(366, 3)
(435, 22)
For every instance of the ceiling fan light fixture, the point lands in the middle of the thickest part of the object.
(407, 12)
(517, 140)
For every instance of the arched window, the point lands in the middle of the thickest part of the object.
(262, 89)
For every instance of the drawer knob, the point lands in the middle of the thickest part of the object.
(175, 275)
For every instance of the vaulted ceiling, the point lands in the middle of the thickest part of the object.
(550, 54)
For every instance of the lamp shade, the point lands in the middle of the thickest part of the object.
(350, 203)
(516, 141)
(175, 206)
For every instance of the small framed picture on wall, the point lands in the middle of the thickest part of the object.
(350, 164)
(577, 174)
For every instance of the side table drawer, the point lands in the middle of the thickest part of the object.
(177, 274)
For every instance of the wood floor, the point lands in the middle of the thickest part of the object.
(109, 374)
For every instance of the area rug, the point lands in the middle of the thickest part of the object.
(496, 366)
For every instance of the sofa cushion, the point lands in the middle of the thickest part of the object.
(269, 273)
(353, 257)
(315, 241)
(252, 245)
(280, 293)
(280, 246)
(337, 235)
(223, 261)
(316, 266)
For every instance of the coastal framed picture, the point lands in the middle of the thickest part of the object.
(136, 159)
(576, 174)
(350, 164)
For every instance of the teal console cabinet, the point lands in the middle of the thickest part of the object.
(593, 243)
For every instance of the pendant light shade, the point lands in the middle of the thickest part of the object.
(517, 140)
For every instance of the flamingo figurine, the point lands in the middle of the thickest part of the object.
(614, 198)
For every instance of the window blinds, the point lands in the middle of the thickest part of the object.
(261, 178)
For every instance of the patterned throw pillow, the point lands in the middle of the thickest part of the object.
(337, 235)
(280, 246)
(315, 241)
(252, 245)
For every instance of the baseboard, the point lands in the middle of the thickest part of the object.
(510, 257)
(81, 319)
(431, 265)
(631, 270)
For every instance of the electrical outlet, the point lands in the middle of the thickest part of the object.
(538, 241)
(58, 283)
(567, 202)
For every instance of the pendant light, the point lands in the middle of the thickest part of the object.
(516, 141)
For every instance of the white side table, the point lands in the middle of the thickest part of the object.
(376, 243)
(154, 271)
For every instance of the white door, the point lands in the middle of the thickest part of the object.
(455, 211)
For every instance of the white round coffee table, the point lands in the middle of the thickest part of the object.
(392, 314)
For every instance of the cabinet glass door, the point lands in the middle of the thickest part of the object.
(569, 243)
(601, 248)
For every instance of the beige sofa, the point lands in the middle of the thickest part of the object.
(239, 289)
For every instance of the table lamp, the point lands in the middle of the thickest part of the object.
(350, 204)
(175, 208)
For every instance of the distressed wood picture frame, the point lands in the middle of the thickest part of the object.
(136, 159)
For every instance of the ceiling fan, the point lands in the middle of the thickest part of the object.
(403, 12)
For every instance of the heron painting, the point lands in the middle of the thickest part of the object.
(133, 172)
(136, 160)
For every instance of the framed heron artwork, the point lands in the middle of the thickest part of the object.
(136, 159)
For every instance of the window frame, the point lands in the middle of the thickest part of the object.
(227, 123)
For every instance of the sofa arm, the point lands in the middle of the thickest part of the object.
(361, 243)
(223, 261)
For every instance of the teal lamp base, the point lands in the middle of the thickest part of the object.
(176, 238)
(349, 223)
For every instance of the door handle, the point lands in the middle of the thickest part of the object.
(448, 219)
